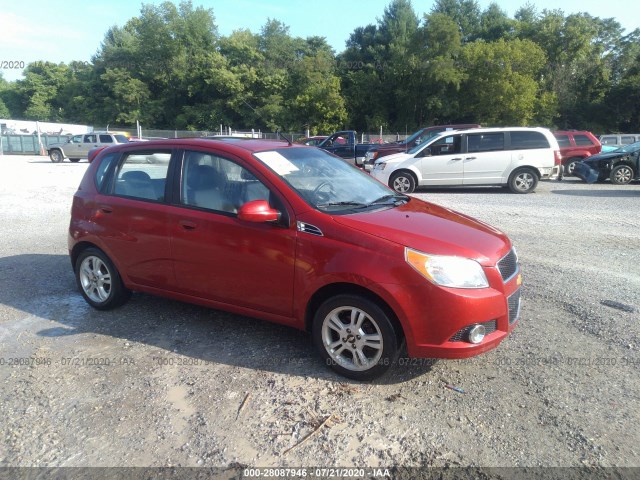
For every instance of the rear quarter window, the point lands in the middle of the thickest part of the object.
(105, 171)
(583, 140)
(528, 140)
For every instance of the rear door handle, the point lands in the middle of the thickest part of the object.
(188, 225)
(456, 159)
(106, 208)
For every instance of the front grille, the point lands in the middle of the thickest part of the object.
(463, 335)
(514, 306)
(508, 265)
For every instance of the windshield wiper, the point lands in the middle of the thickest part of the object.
(342, 204)
(398, 199)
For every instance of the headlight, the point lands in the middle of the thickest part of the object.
(380, 165)
(455, 272)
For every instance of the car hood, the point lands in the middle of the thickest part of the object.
(603, 156)
(396, 157)
(433, 229)
(392, 147)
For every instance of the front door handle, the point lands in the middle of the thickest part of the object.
(470, 158)
(456, 159)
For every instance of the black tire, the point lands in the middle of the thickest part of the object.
(74, 160)
(523, 180)
(570, 166)
(56, 156)
(99, 280)
(403, 182)
(622, 175)
(357, 359)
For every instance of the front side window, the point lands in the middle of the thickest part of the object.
(528, 140)
(485, 142)
(447, 146)
(143, 175)
(216, 183)
(76, 139)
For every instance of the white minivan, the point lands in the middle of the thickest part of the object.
(516, 157)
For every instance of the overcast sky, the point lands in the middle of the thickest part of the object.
(73, 29)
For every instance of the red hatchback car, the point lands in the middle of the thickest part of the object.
(293, 235)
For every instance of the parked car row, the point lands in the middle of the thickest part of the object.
(621, 166)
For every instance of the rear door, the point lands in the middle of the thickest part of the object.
(486, 162)
(133, 216)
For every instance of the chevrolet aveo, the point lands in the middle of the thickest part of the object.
(296, 236)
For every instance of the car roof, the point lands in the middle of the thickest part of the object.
(227, 144)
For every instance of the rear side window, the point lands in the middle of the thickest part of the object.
(627, 139)
(563, 140)
(582, 140)
(485, 142)
(106, 139)
(528, 140)
(143, 175)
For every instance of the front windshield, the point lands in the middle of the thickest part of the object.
(632, 148)
(327, 182)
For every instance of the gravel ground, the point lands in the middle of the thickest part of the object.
(162, 383)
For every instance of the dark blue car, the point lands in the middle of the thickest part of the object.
(621, 166)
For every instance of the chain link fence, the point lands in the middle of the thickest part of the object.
(12, 144)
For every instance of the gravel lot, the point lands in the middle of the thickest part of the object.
(162, 383)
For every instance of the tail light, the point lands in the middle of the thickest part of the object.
(558, 157)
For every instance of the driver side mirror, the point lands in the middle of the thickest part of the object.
(258, 211)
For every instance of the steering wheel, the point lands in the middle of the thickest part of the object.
(321, 196)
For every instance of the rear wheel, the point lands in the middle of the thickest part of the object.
(402, 182)
(621, 175)
(355, 336)
(99, 280)
(523, 180)
(56, 156)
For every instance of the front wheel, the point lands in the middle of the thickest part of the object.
(355, 337)
(99, 280)
(523, 180)
(621, 175)
(56, 156)
(571, 166)
(402, 182)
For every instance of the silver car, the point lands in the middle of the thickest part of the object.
(78, 146)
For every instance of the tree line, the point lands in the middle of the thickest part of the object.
(170, 68)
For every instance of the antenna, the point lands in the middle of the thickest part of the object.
(280, 134)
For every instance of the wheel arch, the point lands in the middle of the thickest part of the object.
(331, 290)
(406, 170)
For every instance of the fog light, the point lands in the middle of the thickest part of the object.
(477, 333)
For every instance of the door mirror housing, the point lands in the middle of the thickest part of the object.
(258, 211)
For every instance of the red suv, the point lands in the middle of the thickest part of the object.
(576, 146)
(294, 235)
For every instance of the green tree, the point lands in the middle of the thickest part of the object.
(501, 86)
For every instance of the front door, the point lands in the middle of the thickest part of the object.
(221, 258)
(443, 166)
